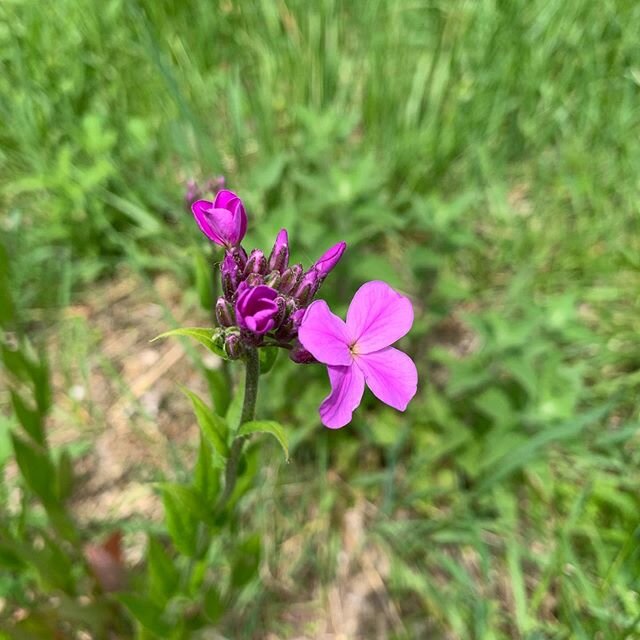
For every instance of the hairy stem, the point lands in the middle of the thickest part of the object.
(252, 375)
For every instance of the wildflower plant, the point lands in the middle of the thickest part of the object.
(266, 305)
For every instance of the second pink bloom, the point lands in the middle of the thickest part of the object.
(359, 351)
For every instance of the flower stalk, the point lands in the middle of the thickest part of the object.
(252, 376)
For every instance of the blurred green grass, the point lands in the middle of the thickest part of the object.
(482, 156)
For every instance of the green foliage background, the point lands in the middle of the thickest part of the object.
(481, 156)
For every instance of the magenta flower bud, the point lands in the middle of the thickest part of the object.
(230, 276)
(329, 259)
(256, 309)
(307, 288)
(256, 263)
(300, 355)
(297, 316)
(223, 221)
(239, 256)
(273, 280)
(233, 346)
(254, 279)
(279, 258)
(290, 278)
(282, 311)
(224, 313)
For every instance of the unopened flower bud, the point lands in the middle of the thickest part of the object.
(290, 278)
(329, 259)
(224, 313)
(273, 280)
(233, 346)
(297, 316)
(279, 258)
(307, 288)
(282, 311)
(254, 279)
(300, 355)
(230, 276)
(256, 263)
(239, 256)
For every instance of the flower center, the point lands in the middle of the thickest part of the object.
(353, 349)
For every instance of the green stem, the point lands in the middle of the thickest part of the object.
(252, 375)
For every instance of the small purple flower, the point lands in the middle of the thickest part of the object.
(223, 221)
(358, 351)
(279, 258)
(329, 259)
(257, 308)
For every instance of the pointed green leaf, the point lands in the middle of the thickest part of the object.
(219, 390)
(36, 468)
(7, 308)
(190, 501)
(267, 426)
(213, 604)
(206, 475)
(203, 336)
(30, 419)
(182, 526)
(64, 476)
(212, 426)
(162, 573)
(246, 561)
(147, 613)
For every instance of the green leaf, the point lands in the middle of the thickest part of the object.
(203, 336)
(64, 476)
(162, 573)
(30, 419)
(7, 308)
(204, 284)
(36, 468)
(206, 475)
(218, 389)
(182, 526)
(267, 426)
(191, 502)
(147, 613)
(213, 427)
(213, 604)
(246, 562)
(268, 356)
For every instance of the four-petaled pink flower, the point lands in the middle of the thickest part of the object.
(359, 351)
(223, 221)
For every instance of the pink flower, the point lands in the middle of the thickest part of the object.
(256, 308)
(223, 221)
(358, 351)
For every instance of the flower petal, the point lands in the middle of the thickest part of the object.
(223, 197)
(378, 316)
(201, 212)
(325, 335)
(347, 387)
(391, 375)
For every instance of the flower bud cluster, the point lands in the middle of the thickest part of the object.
(264, 298)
